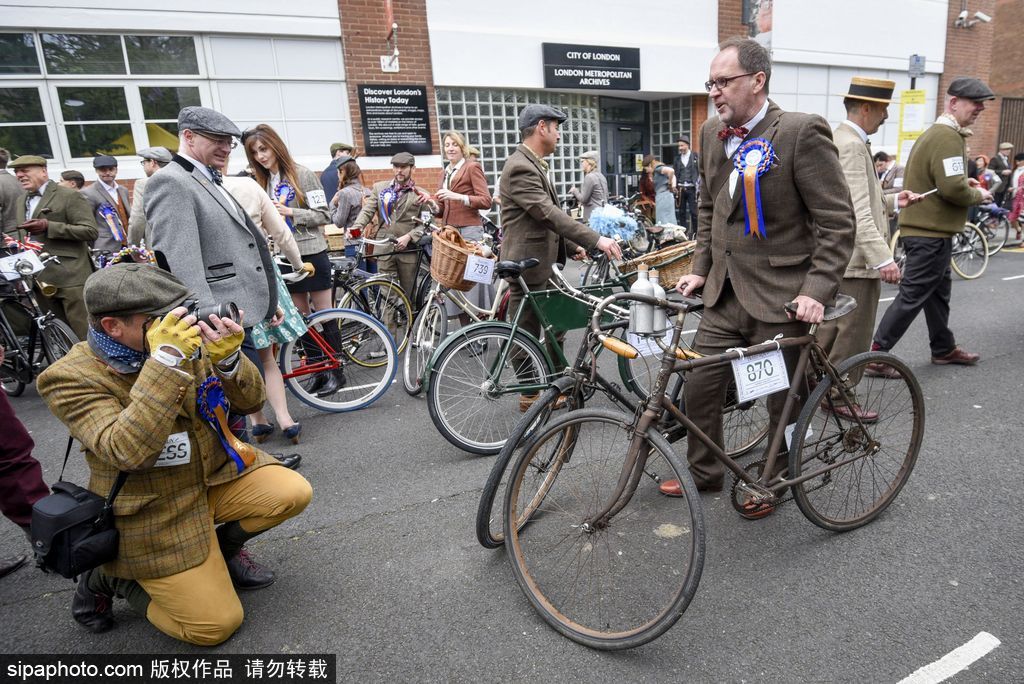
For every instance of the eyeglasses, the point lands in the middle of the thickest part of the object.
(220, 141)
(722, 82)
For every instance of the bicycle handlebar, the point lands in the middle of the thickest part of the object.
(617, 346)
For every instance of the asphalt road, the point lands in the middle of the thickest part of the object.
(383, 568)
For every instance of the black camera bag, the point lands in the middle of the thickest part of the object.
(73, 529)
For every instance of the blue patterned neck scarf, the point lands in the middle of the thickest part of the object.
(389, 197)
(123, 359)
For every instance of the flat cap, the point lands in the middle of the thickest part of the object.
(684, 138)
(341, 146)
(207, 120)
(71, 174)
(403, 159)
(533, 114)
(125, 289)
(1006, 146)
(157, 154)
(970, 88)
(593, 156)
(101, 160)
(27, 160)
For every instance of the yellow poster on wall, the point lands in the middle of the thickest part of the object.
(912, 122)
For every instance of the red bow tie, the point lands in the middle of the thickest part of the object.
(728, 132)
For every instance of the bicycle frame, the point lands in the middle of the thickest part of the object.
(439, 292)
(329, 362)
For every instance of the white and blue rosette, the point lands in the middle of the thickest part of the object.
(109, 215)
(612, 222)
(752, 160)
(284, 194)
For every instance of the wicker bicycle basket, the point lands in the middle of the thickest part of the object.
(449, 258)
(671, 262)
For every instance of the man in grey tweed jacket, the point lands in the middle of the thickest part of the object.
(198, 231)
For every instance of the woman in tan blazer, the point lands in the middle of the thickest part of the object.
(462, 195)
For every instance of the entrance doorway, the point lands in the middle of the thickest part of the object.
(624, 141)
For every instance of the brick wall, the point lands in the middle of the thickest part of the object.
(429, 179)
(698, 115)
(1008, 49)
(968, 53)
(362, 37)
(730, 20)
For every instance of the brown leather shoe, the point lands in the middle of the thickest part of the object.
(882, 370)
(674, 488)
(957, 356)
(850, 413)
(753, 511)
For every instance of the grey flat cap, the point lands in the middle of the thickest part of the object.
(593, 156)
(970, 88)
(533, 114)
(125, 289)
(101, 160)
(207, 120)
(157, 154)
(71, 174)
(403, 159)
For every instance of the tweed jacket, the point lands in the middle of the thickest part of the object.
(407, 208)
(10, 191)
(807, 211)
(208, 241)
(870, 205)
(468, 180)
(892, 180)
(71, 229)
(123, 422)
(98, 198)
(137, 219)
(593, 194)
(533, 222)
(309, 217)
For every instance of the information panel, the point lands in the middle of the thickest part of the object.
(593, 67)
(395, 119)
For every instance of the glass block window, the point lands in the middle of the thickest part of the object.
(489, 121)
(669, 119)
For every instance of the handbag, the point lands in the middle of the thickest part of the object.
(73, 529)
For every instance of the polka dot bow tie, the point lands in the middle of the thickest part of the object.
(729, 131)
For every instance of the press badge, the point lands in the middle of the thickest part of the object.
(953, 166)
(316, 199)
(177, 451)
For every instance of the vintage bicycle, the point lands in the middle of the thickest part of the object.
(611, 563)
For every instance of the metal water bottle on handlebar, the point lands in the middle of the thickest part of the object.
(641, 314)
(661, 323)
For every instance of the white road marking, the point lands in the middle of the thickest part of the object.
(954, 661)
(887, 299)
(1014, 277)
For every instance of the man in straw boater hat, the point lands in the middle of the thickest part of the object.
(867, 108)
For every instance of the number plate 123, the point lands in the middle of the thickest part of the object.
(759, 375)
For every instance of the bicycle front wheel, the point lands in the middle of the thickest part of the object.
(354, 346)
(384, 300)
(613, 582)
(970, 252)
(474, 400)
(997, 232)
(58, 339)
(428, 332)
(862, 462)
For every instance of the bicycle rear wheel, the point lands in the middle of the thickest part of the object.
(613, 583)
(347, 340)
(899, 255)
(997, 232)
(58, 338)
(386, 301)
(12, 377)
(970, 252)
(872, 457)
(474, 403)
(428, 331)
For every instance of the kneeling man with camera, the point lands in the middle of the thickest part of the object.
(148, 395)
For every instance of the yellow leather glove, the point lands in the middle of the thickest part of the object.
(225, 346)
(171, 340)
(308, 268)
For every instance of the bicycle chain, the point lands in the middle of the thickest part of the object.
(779, 501)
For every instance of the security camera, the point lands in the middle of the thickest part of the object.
(981, 16)
(962, 16)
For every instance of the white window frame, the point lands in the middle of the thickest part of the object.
(44, 98)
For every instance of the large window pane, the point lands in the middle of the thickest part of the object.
(164, 102)
(21, 140)
(80, 53)
(20, 105)
(18, 54)
(162, 54)
(89, 103)
(163, 134)
(93, 139)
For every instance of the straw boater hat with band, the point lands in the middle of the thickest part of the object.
(871, 90)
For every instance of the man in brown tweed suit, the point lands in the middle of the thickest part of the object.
(747, 280)
(128, 395)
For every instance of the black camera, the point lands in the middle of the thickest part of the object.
(203, 313)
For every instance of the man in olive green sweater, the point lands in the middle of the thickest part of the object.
(937, 161)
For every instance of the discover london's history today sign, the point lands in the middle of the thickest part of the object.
(395, 119)
(591, 66)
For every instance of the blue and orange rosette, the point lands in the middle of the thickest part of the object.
(212, 404)
(752, 160)
(284, 194)
(110, 216)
